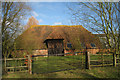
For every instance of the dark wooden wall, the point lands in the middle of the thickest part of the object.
(55, 47)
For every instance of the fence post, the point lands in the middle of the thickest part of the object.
(114, 59)
(87, 60)
(29, 64)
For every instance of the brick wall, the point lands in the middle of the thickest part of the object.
(21, 53)
(40, 52)
(93, 51)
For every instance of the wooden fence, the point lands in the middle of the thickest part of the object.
(19, 64)
(101, 61)
(114, 60)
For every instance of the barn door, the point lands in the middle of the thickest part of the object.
(56, 48)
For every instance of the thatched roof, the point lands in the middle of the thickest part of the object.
(55, 35)
(100, 35)
(35, 36)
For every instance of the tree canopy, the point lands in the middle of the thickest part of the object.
(12, 16)
(31, 21)
(100, 17)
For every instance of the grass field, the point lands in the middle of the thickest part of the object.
(66, 67)
(99, 72)
(57, 63)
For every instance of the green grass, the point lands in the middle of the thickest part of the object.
(56, 63)
(99, 57)
(99, 72)
(66, 67)
(11, 63)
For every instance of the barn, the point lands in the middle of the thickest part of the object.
(55, 47)
(56, 38)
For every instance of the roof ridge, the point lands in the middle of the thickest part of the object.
(57, 25)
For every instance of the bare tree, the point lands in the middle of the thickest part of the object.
(119, 29)
(100, 17)
(12, 16)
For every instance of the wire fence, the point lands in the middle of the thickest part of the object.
(51, 64)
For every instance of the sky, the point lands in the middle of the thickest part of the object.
(50, 13)
(58, 13)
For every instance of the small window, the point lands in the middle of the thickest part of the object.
(93, 45)
(69, 45)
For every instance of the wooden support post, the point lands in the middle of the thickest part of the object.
(87, 60)
(29, 64)
(114, 59)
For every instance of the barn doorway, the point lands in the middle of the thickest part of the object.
(55, 47)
